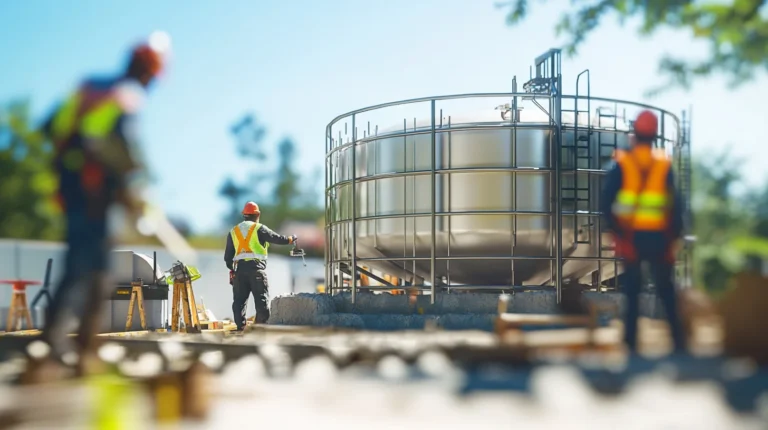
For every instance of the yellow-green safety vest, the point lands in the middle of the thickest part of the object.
(95, 125)
(246, 242)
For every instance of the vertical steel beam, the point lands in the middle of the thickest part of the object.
(557, 115)
(353, 269)
(328, 257)
(434, 206)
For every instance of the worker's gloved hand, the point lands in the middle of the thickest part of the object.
(624, 248)
(293, 238)
(231, 277)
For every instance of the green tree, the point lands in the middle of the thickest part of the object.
(27, 182)
(723, 223)
(234, 194)
(249, 135)
(736, 31)
(286, 180)
(278, 190)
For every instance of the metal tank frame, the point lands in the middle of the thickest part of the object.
(545, 85)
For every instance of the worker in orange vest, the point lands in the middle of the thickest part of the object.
(246, 258)
(645, 214)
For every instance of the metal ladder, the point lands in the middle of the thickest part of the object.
(606, 148)
(581, 158)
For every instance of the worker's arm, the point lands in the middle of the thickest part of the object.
(267, 235)
(611, 188)
(678, 209)
(123, 156)
(229, 252)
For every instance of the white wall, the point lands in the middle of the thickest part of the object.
(27, 260)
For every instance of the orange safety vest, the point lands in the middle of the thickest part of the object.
(643, 202)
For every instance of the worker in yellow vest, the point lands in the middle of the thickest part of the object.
(246, 256)
(645, 214)
(98, 165)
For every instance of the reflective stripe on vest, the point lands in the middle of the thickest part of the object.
(96, 122)
(246, 242)
(642, 202)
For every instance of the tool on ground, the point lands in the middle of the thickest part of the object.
(137, 295)
(298, 252)
(182, 277)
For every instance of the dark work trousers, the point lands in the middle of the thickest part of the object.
(82, 288)
(651, 247)
(250, 278)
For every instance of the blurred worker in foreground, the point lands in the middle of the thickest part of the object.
(645, 214)
(98, 165)
(246, 257)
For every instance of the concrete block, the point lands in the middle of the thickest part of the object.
(462, 303)
(477, 321)
(462, 311)
(418, 322)
(300, 309)
(343, 320)
(397, 322)
(368, 303)
(533, 302)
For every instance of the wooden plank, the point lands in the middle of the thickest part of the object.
(32, 332)
(131, 303)
(175, 316)
(543, 319)
(125, 333)
(142, 315)
(505, 322)
(192, 305)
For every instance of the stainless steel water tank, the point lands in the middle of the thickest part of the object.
(494, 200)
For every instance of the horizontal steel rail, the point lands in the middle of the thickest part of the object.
(476, 258)
(462, 213)
(522, 95)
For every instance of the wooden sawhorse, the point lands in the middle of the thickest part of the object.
(184, 296)
(137, 295)
(18, 308)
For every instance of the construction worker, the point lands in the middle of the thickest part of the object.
(645, 214)
(246, 256)
(93, 132)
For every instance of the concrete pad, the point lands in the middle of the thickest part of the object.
(300, 309)
(455, 311)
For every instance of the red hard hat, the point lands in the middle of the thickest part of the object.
(153, 53)
(646, 125)
(251, 208)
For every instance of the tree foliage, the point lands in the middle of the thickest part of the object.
(736, 32)
(274, 182)
(731, 228)
(27, 183)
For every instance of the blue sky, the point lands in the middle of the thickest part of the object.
(298, 64)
